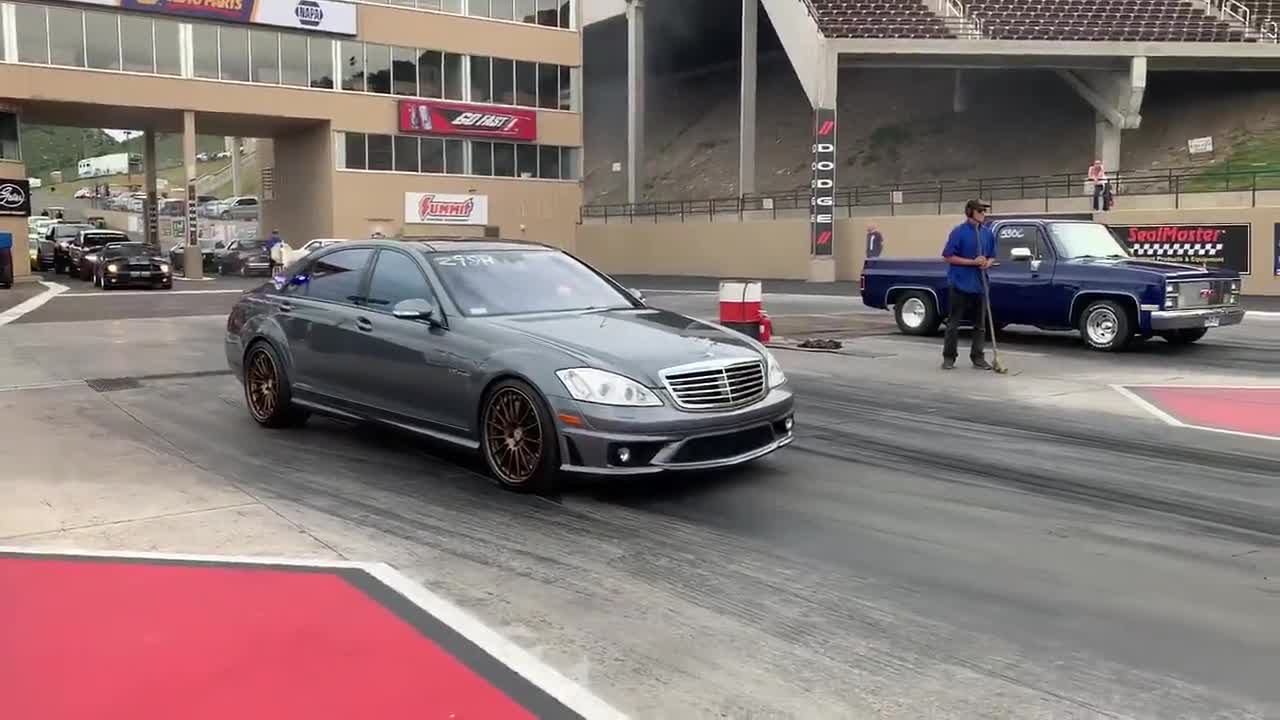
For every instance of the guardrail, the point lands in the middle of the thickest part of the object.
(1175, 182)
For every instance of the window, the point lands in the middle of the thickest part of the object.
(136, 41)
(548, 13)
(1012, 236)
(527, 161)
(455, 162)
(66, 37)
(234, 53)
(204, 40)
(566, 87)
(503, 9)
(478, 8)
(10, 147)
(481, 85)
(504, 81)
(396, 278)
(527, 84)
(504, 160)
(264, 55)
(549, 162)
(566, 17)
(430, 74)
(102, 40)
(406, 147)
(320, 62)
(431, 152)
(526, 11)
(569, 163)
(293, 59)
(481, 158)
(453, 6)
(32, 32)
(377, 68)
(353, 152)
(380, 152)
(404, 71)
(4, 34)
(168, 55)
(548, 86)
(351, 57)
(336, 276)
(498, 283)
(453, 76)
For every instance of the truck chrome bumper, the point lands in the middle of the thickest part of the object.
(1196, 318)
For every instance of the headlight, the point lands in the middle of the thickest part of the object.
(164, 267)
(1171, 296)
(91, 258)
(606, 388)
(112, 268)
(776, 376)
(33, 252)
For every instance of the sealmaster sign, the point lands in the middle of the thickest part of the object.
(1221, 246)
(432, 117)
(439, 209)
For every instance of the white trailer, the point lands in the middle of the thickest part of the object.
(102, 165)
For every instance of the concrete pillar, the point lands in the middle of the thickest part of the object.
(822, 225)
(1106, 143)
(747, 99)
(1116, 97)
(635, 100)
(192, 258)
(150, 216)
(960, 93)
(233, 147)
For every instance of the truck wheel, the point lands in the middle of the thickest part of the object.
(1184, 337)
(916, 313)
(1105, 326)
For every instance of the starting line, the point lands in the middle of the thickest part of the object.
(147, 636)
(1244, 410)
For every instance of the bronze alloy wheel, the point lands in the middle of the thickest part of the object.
(262, 382)
(513, 436)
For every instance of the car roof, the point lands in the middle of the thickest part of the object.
(465, 244)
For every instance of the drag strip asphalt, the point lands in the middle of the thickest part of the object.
(916, 553)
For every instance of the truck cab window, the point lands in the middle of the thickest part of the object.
(1009, 237)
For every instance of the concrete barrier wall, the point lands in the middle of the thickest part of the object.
(779, 249)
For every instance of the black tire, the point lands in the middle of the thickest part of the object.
(507, 415)
(1106, 325)
(1185, 336)
(85, 275)
(267, 393)
(916, 313)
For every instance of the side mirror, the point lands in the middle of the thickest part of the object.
(415, 309)
(1019, 254)
(636, 293)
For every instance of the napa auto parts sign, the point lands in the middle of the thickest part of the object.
(441, 209)
(325, 16)
(1213, 246)
(491, 122)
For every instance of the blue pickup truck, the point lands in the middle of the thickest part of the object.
(1065, 275)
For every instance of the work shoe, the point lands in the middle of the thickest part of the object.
(948, 364)
(981, 364)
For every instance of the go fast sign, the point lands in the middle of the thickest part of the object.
(493, 122)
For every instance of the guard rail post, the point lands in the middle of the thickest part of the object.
(1177, 192)
(1254, 190)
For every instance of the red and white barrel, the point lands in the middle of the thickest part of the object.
(740, 306)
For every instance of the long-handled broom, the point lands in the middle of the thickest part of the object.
(996, 366)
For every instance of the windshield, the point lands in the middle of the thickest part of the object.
(95, 241)
(250, 245)
(61, 231)
(124, 248)
(1086, 240)
(512, 282)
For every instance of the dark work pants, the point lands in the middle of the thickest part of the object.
(966, 305)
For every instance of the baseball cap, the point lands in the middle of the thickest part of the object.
(976, 204)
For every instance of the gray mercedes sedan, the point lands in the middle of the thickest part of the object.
(518, 350)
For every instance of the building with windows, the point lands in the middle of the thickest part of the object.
(405, 118)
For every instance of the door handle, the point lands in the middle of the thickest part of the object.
(364, 324)
(286, 307)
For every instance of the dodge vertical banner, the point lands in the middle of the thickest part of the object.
(822, 195)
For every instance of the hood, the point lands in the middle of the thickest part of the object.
(637, 343)
(1165, 269)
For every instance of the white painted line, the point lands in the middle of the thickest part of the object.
(767, 295)
(1171, 420)
(115, 293)
(52, 290)
(1261, 315)
(571, 694)
(1193, 386)
(187, 279)
(41, 386)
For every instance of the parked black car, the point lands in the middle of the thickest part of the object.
(244, 257)
(517, 350)
(208, 262)
(83, 250)
(61, 234)
(131, 264)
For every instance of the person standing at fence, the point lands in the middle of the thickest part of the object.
(275, 248)
(1098, 176)
(875, 241)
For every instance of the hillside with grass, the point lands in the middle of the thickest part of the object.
(48, 148)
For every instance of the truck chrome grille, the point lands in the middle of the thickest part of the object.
(1202, 293)
(715, 386)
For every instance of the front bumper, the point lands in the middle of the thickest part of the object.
(1196, 318)
(656, 440)
(131, 278)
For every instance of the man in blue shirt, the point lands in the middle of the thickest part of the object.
(970, 248)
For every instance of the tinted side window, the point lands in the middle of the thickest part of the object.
(337, 276)
(396, 277)
(1009, 237)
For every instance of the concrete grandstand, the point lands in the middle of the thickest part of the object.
(924, 92)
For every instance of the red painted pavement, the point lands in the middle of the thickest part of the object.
(117, 640)
(1248, 410)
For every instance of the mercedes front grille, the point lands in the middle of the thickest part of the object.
(716, 386)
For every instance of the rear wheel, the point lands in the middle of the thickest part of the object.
(916, 313)
(518, 439)
(1185, 336)
(1105, 325)
(267, 391)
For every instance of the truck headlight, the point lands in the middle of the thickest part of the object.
(1171, 296)
(776, 376)
(1234, 295)
(112, 268)
(606, 388)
